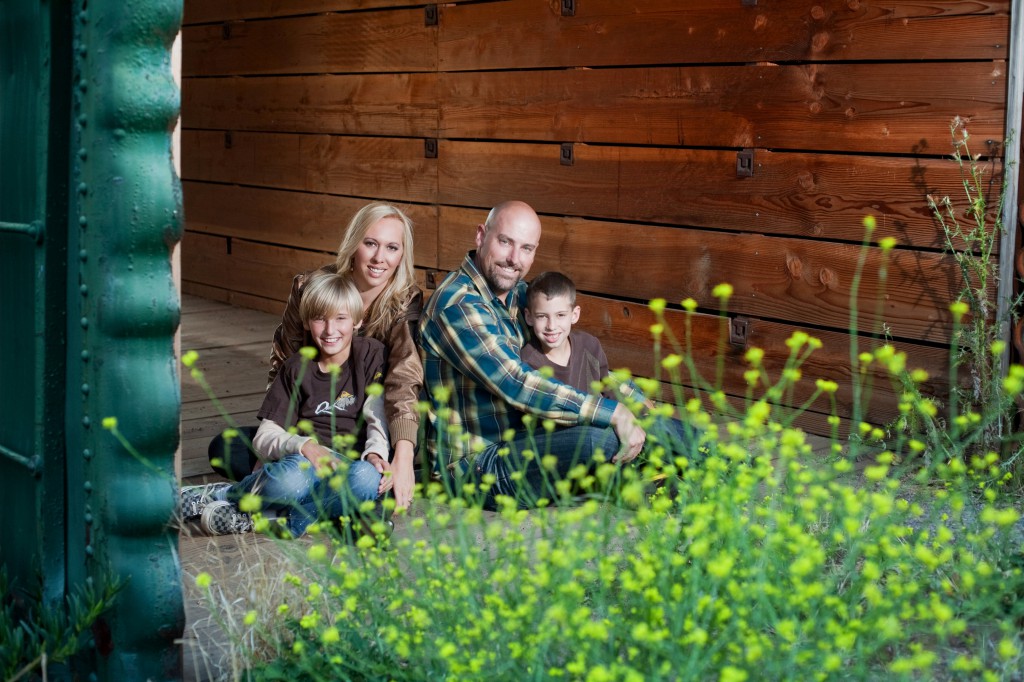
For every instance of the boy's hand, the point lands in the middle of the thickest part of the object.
(318, 455)
(384, 469)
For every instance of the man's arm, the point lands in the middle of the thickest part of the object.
(473, 341)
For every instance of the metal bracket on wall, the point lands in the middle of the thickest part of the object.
(434, 277)
(567, 156)
(227, 139)
(738, 329)
(33, 230)
(430, 15)
(568, 8)
(749, 3)
(430, 148)
(745, 163)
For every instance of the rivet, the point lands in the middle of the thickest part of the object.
(83, 17)
(84, 290)
(88, 518)
(88, 550)
(82, 153)
(84, 322)
(86, 422)
(87, 453)
(85, 389)
(83, 255)
(82, 50)
(82, 120)
(85, 356)
(83, 221)
(87, 487)
(83, 86)
(82, 188)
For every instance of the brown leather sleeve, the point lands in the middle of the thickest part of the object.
(290, 335)
(404, 377)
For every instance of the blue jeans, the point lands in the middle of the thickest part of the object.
(570, 446)
(289, 486)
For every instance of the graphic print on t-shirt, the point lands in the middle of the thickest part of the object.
(344, 401)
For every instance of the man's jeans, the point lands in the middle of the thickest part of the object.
(570, 446)
(289, 485)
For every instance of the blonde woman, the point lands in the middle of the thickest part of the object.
(376, 252)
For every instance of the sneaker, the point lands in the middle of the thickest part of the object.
(194, 498)
(224, 518)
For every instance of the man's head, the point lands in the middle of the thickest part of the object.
(551, 309)
(506, 244)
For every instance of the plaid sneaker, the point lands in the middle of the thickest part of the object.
(194, 498)
(224, 518)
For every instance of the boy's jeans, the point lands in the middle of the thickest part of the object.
(289, 485)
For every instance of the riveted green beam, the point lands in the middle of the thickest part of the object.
(123, 310)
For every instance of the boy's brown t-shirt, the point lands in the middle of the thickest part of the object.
(587, 361)
(314, 399)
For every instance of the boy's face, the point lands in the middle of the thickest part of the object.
(551, 320)
(332, 335)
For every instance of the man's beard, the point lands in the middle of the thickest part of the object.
(499, 282)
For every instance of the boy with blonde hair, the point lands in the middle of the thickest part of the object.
(329, 390)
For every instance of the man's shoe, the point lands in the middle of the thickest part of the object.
(194, 498)
(224, 518)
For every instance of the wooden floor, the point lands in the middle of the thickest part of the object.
(234, 349)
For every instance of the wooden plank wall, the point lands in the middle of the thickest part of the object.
(622, 123)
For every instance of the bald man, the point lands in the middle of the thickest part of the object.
(471, 333)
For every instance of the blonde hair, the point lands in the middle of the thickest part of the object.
(390, 304)
(327, 294)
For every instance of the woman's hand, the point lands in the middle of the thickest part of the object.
(384, 469)
(403, 474)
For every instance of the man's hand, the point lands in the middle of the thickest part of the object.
(403, 474)
(631, 436)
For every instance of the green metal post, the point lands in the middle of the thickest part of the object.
(123, 310)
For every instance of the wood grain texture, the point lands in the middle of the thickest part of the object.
(877, 107)
(822, 196)
(383, 41)
(234, 298)
(307, 221)
(794, 280)
(517, 34)
(398, 104)
(257, 269)
(383, 167)
(204, 11)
